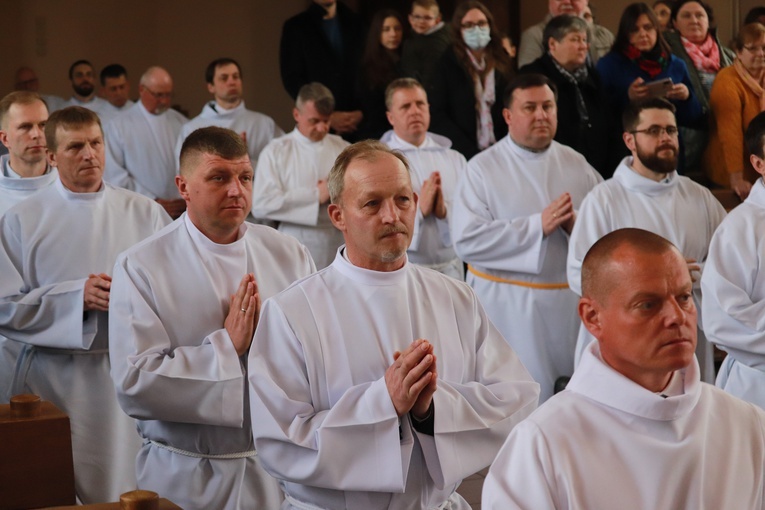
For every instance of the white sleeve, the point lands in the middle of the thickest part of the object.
(473, 417)
(156, 380)
(733, 316)
(299, 440)
(521, 477)
(48, 315)
(276, 200)
(516, 244)
(115, 170)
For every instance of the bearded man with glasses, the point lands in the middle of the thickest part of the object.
(646, 192)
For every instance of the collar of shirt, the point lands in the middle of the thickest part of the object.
(525, 152)
(402, 144)
(757, 195)
(73, 196)
(368, 276)
(201, 240)
(632, 180)
(218, 110)
(597, 381)
(675, 386)
(301, 138)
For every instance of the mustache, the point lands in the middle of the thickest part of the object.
(393, 230)
(667, 147)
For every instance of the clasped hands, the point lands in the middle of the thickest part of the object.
(243, 314)
(412, 379)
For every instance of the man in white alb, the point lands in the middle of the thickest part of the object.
(83, 79)
(58, 249)
(635, 428)
(140, 143)
(227, 110)
(181, 329)
(435, 171)
(646, 192)
(23, 171)
(116, 88)
(375, 383)
(513, 213)
(733, 285)
(291, 176)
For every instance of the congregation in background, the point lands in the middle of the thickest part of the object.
(462, 255)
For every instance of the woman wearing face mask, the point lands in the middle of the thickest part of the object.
(466, 93)
(379, 67)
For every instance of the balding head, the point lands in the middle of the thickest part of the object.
(637, 301)
(26, 79)
(156, 90)
(605, 255)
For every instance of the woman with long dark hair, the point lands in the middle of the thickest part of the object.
(641, 55)
(379, 67)
(466, 93)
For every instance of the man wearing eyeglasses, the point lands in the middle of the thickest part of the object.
(140, 143)
(646, 192)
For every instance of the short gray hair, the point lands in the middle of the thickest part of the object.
(562, 25)
(322, 98)
(367, 150)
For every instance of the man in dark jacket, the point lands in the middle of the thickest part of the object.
(323, 44)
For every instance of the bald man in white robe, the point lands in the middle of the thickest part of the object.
(141, 141)
(635, 428)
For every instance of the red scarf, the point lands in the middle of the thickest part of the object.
(705, 56)
(653, 62)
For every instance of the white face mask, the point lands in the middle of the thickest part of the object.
(476, 38)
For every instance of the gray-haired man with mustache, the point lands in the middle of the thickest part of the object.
(646, 192)
(376, 383)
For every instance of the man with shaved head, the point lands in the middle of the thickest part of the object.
(186, 304)
(140, 143)
(635, 421)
